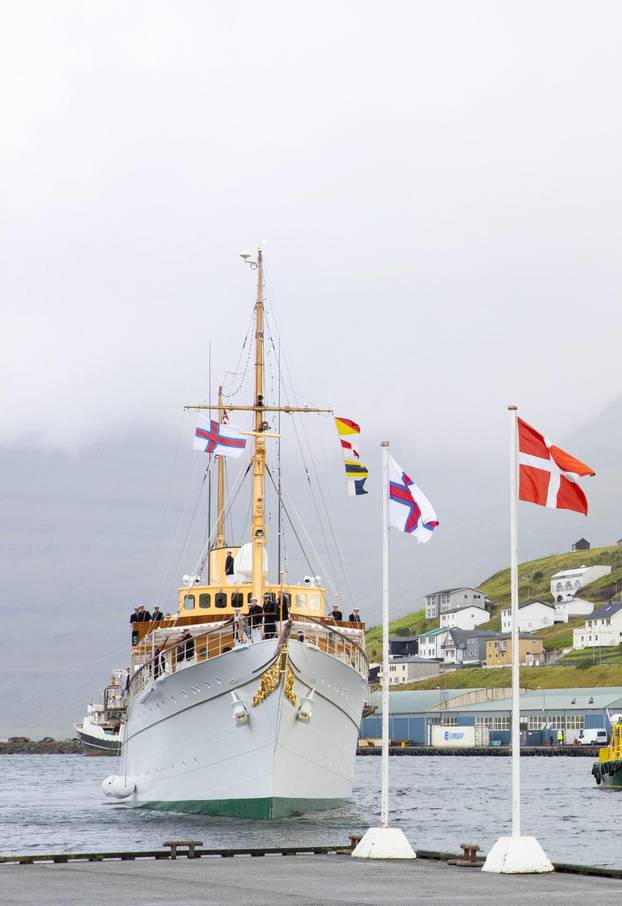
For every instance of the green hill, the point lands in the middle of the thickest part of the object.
(534, 582)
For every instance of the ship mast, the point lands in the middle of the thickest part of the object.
(258, 527)
(220, 460)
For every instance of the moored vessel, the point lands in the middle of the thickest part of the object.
(608, 769)
(101, 730)
(248, 701)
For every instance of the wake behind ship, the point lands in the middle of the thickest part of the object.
(248, 701)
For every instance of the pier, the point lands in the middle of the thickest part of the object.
(526, 751)
(302, 879)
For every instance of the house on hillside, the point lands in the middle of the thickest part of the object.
(430, 643)
(573, 607)
(467, 646)
(581, 545)
(448, 599)
(566, 583)
(499, 651)
(465, 617)
(532, 615)
(403, 645)
(602, 628)
(409, 669)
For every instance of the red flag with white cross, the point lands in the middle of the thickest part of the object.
(547, 474)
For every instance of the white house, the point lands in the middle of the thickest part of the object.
(465, 617)
(409, 669)
(573, 607)
(567, 582)
(430, 643)
(448, 599)
(603, 628)
(532, 615)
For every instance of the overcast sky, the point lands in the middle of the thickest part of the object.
(438, 187)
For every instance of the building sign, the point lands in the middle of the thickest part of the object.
(446, 737)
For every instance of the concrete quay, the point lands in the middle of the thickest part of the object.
(302, 880)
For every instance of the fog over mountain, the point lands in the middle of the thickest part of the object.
(438, 190)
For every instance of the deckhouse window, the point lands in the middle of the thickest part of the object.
(314, 601)
(220, 599)
(301, 601)
(189, 602)
(205, 601)
(237, 599)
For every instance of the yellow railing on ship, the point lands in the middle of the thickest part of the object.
(613, 752)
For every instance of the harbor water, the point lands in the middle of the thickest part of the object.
(53, 803)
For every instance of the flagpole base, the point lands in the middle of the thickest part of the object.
(384, 843)
(517, 855)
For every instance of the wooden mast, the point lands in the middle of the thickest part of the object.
(220, 510)
(258, 527)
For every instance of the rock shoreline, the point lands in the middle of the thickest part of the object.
(46, 746)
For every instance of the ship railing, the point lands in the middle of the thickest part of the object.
(330, 640)
(155, 659)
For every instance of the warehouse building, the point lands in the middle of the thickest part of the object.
(483, 716)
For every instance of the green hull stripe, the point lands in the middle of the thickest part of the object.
(266, 807)
(613, 779)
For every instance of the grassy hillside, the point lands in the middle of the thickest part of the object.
(530, 678)
(534, 582)
(534, 577)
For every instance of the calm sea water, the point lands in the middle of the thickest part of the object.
(53, 803)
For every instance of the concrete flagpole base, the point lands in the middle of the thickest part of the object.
(517, 855)
(384, 843)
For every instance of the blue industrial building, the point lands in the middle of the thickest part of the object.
(544, 712)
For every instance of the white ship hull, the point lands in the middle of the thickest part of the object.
(183, 750)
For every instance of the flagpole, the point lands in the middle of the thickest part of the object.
(384, 842)
(384, 811)
(515, 633)
(515, 854)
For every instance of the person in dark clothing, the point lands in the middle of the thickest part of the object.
(255, 619)
(185, 648)
(283, 606)
(135, 618)
(270, 614)
(229, 564)
(157, 665)
(336, 614)
(157, 615)
(355, 616)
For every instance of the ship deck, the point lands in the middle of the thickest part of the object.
(302, 880)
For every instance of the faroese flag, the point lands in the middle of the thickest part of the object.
(410, 510)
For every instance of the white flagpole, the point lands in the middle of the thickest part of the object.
(515, 854)
(515, 634)
(384, 812)
(384, 842)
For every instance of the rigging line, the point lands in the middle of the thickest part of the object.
(206, 474)
(310, 483)
(169, 559)
(248, 355)
(200, 563)
(330, 580)
(322, 497)
(293, 527)
(157, 581)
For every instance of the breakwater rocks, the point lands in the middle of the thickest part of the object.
(21, 745)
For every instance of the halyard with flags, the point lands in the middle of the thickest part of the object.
(356, 472)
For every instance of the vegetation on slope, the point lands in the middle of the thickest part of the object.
(530, 678)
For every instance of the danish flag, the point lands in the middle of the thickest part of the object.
(547, 474)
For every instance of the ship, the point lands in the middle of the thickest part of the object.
(101, 730)
(223, 717)
(608, 768)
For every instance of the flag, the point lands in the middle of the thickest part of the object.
(356, 472)
(547, 474)
(211, 436)
(410, 510)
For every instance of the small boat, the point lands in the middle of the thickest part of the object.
(101, 730)
(608, 769)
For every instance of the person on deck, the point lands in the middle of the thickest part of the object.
(355, 616)
(283, 607)
(157, 615)
(135, 618)
(185, 648)
(255, 617)
(229, 567)
(270, 614)
(336, 614)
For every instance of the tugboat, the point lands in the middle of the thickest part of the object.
(608, 768)
(230, 713)
(101, 731)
